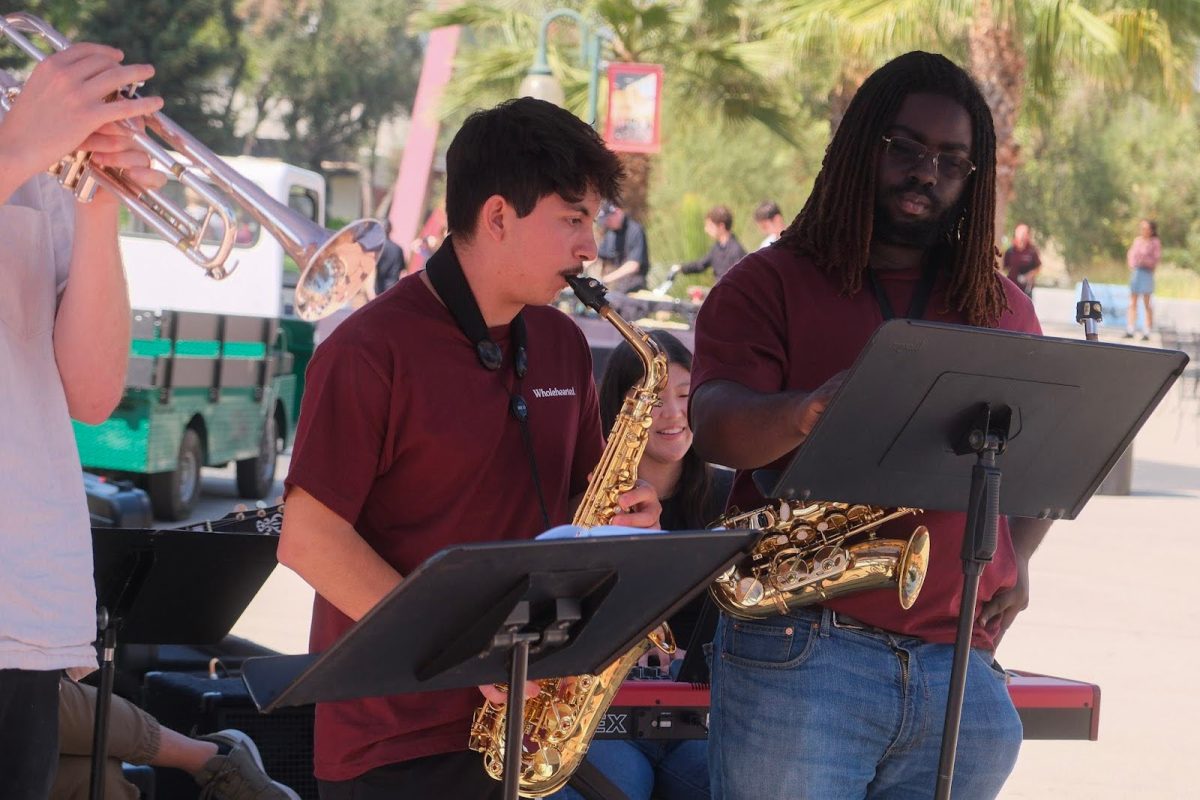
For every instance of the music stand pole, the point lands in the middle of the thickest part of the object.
(108, 642)
(514, 729)
(987, 437)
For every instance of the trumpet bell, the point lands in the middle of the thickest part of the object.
(334, 266)
(338, 269)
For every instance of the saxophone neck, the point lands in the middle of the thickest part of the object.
(591, 293)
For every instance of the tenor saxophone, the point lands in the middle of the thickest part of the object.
(814, 552)
(560, 722)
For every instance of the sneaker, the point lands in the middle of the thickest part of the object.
(1128, 335)
(236, 772)
(1145, 337)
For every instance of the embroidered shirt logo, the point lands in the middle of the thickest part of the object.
(554, 392)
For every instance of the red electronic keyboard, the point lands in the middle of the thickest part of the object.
(1050, 708)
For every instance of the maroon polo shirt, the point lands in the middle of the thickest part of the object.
(405, 435)
(774, 323)
(1018, 262)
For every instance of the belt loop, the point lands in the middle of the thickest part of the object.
(826, 623)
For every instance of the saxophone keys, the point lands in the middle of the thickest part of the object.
(792, 573)
(829, 562)
(566, 718)
(543, 763)
(833, 521)
(803, 534)
(777, 541)
(749, 592)
(859, 513)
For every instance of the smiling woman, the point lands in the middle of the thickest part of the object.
(693, 495)
(689, 488)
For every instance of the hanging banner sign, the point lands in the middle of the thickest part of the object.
(634, 107)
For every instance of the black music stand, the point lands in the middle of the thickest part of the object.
(488, 613)
(168, 587)
(927, 410)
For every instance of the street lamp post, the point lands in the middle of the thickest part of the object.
(539, 82)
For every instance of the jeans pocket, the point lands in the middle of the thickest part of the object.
(998, 672)
(782, 644)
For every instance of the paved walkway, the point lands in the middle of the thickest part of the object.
(1116, 601)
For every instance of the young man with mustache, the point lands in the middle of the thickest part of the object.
(457, 406)
(847, 699)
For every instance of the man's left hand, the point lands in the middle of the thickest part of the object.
(640, 507)
(1006, 605)
(113, 147)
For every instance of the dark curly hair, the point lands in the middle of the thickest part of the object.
(835, 226)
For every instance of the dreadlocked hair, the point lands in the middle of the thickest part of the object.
(834, 228)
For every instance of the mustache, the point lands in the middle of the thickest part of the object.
(913, 187)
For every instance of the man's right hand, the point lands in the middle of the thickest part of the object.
(499, 697)
(815, 402)
(63, 103)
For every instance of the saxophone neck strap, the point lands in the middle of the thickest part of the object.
(446, 275)
(920, 298)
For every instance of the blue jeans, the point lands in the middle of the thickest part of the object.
(642, 769)
(1142, 281)
(804, 709)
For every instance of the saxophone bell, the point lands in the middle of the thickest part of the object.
(816, 552)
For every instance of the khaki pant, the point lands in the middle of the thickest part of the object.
(133, 736)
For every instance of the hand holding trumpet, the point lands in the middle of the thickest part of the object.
(72, 102)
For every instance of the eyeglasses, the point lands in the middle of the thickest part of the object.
(908, 154)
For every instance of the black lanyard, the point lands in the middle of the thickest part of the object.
(446, 275)
(920, 298)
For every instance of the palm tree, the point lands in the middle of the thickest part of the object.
(1012, 48)
(700, 43)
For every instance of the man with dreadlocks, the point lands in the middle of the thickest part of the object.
(846, 699)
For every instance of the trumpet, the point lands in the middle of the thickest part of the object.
(333, 265)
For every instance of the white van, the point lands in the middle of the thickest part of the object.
(161, 277)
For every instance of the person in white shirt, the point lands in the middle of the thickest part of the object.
(64, 346)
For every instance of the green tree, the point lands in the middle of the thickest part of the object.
(334, 69)
(698, 42)
(705, 162)
(193, 45)
(1098, 166)
(1012, 48)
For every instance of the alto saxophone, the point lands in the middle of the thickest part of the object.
(560, 722)
(814, 552)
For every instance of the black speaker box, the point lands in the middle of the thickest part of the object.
(142, 777)
(195, 704)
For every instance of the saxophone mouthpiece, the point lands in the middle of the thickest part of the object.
(589, 291)
(1089, 312)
